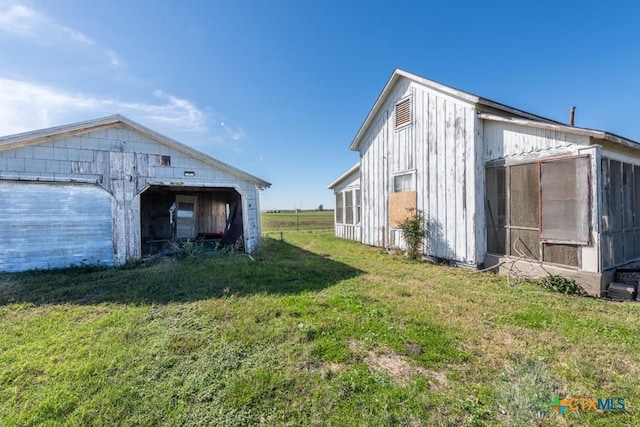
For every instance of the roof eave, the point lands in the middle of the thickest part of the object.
(33, 137)
(344, 176)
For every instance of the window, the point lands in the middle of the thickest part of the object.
(348, 207)
(403, 183)
(403, 112)
(339, 208)
(357, 206)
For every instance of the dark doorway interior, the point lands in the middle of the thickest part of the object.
(167, 214)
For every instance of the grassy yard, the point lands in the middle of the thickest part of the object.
(273, 222)
(315, 331)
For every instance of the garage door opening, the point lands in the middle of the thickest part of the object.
(213, 216)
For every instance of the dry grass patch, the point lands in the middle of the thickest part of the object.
(398, 368)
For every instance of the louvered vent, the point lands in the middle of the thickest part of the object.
(403, 112)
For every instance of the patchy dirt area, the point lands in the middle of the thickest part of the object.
(399, 368)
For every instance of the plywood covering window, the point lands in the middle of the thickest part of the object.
(339, 208)
(403, 112)
(402, 200)
(539, 210)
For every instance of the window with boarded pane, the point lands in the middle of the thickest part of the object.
(403, 112)
(339, 208)
(564, 190)
(357, 206)
(403, 182)
(348, 207)
(403, 199)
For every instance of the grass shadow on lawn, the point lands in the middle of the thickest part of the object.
(278, 268)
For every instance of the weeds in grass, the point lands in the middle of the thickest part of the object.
(414, 233)
(565, 285)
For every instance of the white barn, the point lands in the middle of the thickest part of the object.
(109, 191)
(495, 183)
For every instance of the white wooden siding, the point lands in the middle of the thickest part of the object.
(54, 225)
(347, 231)
(439, 146)
(506, 140)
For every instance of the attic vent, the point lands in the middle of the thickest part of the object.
(403, 112)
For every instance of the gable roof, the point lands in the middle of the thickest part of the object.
(38, 136)
(513, 115)
(355, 168)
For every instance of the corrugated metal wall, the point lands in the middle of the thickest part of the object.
(54, 225)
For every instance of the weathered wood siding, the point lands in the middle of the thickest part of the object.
(124, 161)
(348, 231)
(438, 147)
(509, 141)
(44, 225)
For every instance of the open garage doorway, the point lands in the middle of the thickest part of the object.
(170, 214)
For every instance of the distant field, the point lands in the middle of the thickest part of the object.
(293, 221)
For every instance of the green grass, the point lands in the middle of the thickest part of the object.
(315, 331)
(274, 222)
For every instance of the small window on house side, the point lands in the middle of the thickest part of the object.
(402, 183)
(403, 112)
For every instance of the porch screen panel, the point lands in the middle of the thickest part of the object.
(339, 208)
(348, 207)
(496, 207)
(523, 185)
(565, 200)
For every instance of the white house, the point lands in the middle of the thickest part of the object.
(496, 184)
(110, 190)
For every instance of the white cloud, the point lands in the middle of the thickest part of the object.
(22, 21)
(28, 106)
(29, 25)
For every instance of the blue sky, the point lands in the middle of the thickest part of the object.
(280, 88)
